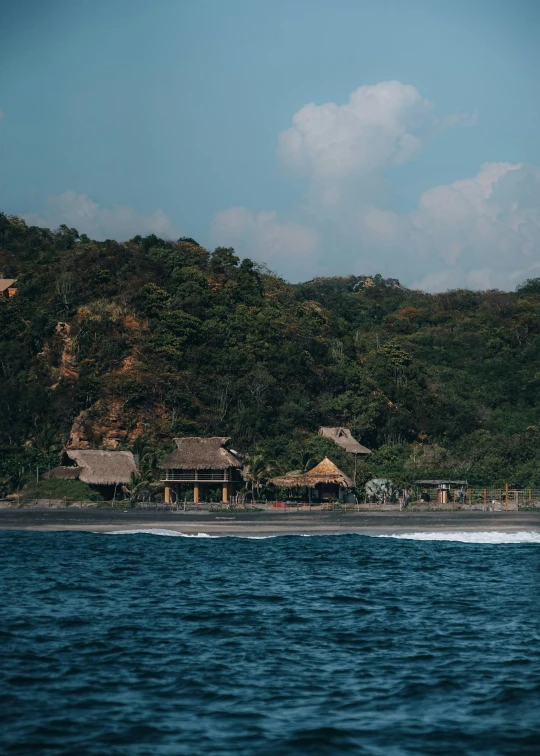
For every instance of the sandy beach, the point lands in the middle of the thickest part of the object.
(264, 523)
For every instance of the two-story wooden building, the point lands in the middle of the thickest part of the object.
(201, 463)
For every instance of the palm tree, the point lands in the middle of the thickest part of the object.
(47, 439)
(137, 483)
(146, 455)
(308, 462)
(260, 469)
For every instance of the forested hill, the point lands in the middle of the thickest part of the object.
(107, 341)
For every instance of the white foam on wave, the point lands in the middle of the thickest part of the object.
(159, 532)
(493, 537)
(177, 533)
(489, 537)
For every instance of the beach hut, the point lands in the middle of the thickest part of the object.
(201, 462)
(343, 438)
(102, 469)
(7, 287)
(325, 478)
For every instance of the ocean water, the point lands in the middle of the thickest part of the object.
(139, 643)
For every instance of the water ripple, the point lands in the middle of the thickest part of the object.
(327, 645)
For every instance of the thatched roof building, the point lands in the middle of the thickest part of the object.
(326, 473)
(201, 462)
(98, 468)
(289, 480)
(65, 472)
(193, 453)
(342, 437)
(7, 287)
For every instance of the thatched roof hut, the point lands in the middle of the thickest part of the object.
(289, 480)
(7, 286)
(342, 437)
(326, 472)
(193, 453)
(65, 472)
(98, 468)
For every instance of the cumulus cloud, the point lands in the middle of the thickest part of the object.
(381, 125)
(480, 232)
(120, 222)
(343, 151)
(262, 237)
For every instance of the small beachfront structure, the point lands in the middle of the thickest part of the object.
(343, 438)
(102, 469)
(446, 489)
(326, 479)
(201, 462)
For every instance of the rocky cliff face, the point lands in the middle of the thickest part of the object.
(60, 354)
(110, 423)
(103, 425)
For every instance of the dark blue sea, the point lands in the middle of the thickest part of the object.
(147, 644)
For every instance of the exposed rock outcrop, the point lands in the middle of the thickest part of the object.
(109, 423)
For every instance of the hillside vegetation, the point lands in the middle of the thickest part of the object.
(107, 342)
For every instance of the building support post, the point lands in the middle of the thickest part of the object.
(225, 493)
(167, 494)
(195, 492)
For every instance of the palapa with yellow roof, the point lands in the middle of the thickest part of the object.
(326, 478)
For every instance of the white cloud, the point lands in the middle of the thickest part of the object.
(120, 222)
(381, 125)
(342, 150)
(263, 238)
(481, 232)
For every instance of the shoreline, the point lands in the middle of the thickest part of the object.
(263, 523)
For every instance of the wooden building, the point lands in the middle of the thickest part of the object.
(326, 480)
(201, 463)
(7, 287)
(103, 469)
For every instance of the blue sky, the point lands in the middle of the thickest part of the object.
(324, 138)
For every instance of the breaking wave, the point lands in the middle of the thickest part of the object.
(470, 537)
(177, 533)
(488, 537)
(159, 532)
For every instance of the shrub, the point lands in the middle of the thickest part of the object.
(57, 488)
